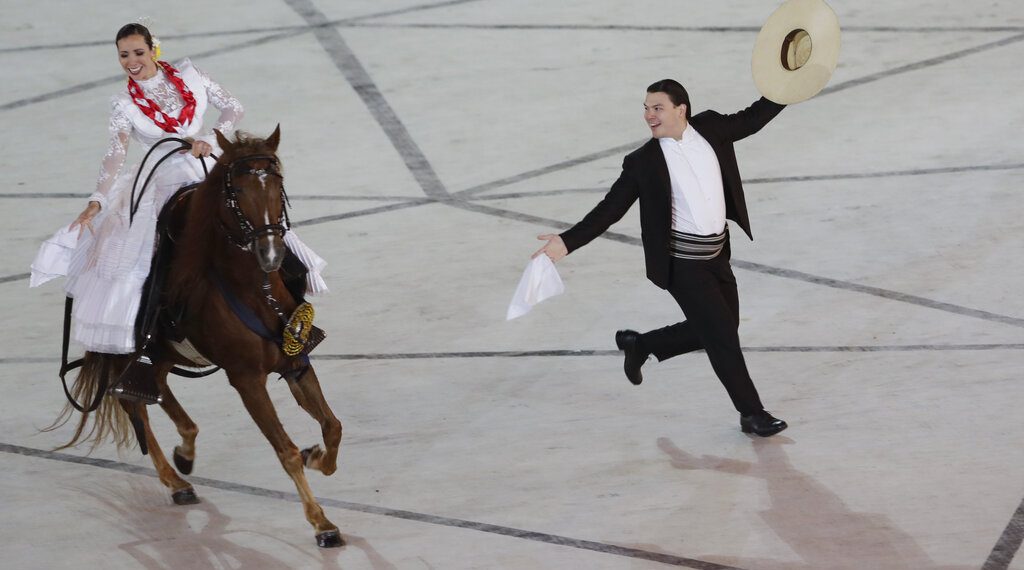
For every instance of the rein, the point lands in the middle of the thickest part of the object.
(66, 366)
(183, 145)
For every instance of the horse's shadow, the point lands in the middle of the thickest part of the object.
(811, 519)
(160, 536)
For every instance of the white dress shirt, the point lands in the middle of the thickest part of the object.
(698, 199)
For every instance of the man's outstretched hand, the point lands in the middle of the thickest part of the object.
(555, 248)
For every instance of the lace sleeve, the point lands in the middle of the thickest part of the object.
(231, 110)
(120, 128)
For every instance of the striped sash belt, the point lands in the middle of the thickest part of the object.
(691, 246)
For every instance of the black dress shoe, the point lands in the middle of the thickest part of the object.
(762, 423)
(629, 342)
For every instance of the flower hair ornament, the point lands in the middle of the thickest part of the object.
(150, 24)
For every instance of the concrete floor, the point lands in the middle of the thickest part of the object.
(881, 306)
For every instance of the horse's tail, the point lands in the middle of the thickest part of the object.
(109, 420)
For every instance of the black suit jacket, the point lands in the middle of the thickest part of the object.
(645, 176)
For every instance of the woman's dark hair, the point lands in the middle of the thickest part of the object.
(676, 93)
(134, 30)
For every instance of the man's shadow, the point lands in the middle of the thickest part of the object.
(162, 536)
(811, 519)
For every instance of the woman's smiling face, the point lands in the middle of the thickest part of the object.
(136, 57)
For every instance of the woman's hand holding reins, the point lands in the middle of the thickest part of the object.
(84, 220)
(199, 148)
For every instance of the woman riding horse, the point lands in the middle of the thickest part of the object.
(108, 264)
(224, 274)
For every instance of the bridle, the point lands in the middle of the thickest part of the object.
(251, 233)
(299, 336)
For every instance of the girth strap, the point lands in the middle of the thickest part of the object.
(243, 312)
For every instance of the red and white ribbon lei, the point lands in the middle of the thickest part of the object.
(153, 111)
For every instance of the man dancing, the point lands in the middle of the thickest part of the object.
(688, 183)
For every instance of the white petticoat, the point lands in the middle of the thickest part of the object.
(107, 269)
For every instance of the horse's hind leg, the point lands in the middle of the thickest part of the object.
(181, 490)
(309, 396)
(253, 390)
(184, 454)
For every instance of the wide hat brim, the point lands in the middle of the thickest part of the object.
(788, 86)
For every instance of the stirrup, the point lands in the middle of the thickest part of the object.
(138, 383)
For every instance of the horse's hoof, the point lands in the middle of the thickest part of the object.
(185, 496)
(329, 539)
(184, 465)
(308, 452)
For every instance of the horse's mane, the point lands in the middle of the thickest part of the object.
(196, 247)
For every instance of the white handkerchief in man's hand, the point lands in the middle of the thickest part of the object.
(540, 280)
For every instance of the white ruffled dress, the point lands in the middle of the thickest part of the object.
(107, 269)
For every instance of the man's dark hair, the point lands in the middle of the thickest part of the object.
(134, 30)
(676, 93)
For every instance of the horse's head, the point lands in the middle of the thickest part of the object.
(254, 209)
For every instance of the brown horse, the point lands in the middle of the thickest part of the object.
(224, 258)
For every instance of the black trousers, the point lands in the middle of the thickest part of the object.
(706, 292)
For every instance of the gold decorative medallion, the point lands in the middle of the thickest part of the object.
(296, 332)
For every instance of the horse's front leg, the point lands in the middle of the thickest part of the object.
(307, 393)
(181, 490)
(253, 390)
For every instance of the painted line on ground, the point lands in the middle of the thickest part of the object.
(886, 173)
(601, 189)
(781, 179)
(357, 21)
(357, 76)
(1009, 542)
(697, 29)
(918, 65)
(878, 292)
(558, 166)
(230, 486)
(605, 352)
(75, 89)
(12, 278)
(288, 31)
(366, 212)
(299, 197)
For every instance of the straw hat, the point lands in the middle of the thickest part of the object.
(796, 51)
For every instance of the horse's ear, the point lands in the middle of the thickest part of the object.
(275, 138)
(222, 141)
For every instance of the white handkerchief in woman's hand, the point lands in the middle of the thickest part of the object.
(54, 256)
(540, 280)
